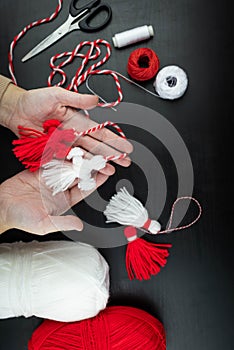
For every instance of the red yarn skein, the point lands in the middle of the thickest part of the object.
(115, 328)
(143, 64)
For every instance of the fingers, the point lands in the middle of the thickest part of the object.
(76, 100)
(105, 136)
(76, 195)
(60, 223)
(113, 140)
(69, 222)
(96, 147)
(108, 170)
(103, 142)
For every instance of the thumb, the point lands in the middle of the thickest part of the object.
(60, 223)
(76, 100)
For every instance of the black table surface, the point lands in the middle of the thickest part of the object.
(193, 294)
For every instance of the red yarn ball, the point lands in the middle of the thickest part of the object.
(143, 64)
(115, 328)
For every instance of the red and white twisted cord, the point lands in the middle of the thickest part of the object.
(169, 227)
(81, 76)
(23, 32)
(99, 127)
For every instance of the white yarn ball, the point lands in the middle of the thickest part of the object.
(59, 280)
(171, 82)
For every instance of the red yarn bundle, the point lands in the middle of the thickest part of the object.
(35, 148)
(143, 64)
(115, 328)
(144, 259)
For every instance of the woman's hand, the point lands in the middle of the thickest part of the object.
(26, 203)
(31, 108)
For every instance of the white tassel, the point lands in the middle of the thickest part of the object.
(60, 175)
(127, 210)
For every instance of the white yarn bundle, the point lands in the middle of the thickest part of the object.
(127, 210)
(59, 280)
(59, 175)
(171, 82)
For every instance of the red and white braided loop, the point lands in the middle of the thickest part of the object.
(179, 228)
(81, 76)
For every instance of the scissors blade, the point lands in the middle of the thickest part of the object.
(49, 40)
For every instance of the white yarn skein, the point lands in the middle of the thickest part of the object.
(59, 280)
(171, 82)
(127, 210)
(132, 36)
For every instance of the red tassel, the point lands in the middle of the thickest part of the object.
(143, 258)
(35, 148)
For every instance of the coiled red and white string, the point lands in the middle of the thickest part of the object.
(80, 77)
(23, 32)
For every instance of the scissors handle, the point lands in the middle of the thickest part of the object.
(84, 24)
(75, 11)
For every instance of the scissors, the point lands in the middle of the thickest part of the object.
(78, 18)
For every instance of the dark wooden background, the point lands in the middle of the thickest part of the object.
(193, 295)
